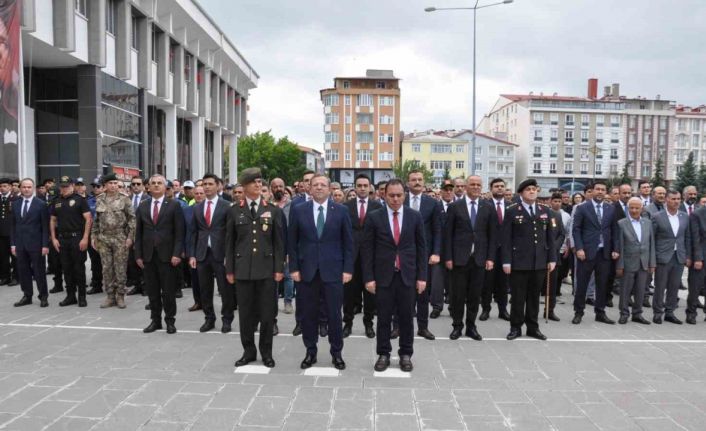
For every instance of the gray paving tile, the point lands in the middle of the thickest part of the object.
(81, 389)
(153, 425)
(396, 422)
(554, 404)
(313, 400)
(398, 401)
(182, 408)
(266, 411)
(51, 409)
(439, 415)
(297, 421)
(234, 396)
(25, 398)
(156, 392)
(126, 417)
(72, 424)
(99, 405)
(573, 424)
(217, 419)
(352, 414)
(658, 424)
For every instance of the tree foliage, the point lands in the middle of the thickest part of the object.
(402, 169)
(658, 177)
(687, 176)
(276, 157)
(625, 174)
(701, 179)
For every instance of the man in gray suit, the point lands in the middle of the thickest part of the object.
(659, 195)
(637, 258)
(691, 200)
(673, 249)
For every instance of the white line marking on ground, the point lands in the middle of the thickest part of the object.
(252, 369)
(321, 372)
(393, 373)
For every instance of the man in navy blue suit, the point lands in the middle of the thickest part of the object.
(320, 245)
(29, 242)
(595, 234)
(395, 270)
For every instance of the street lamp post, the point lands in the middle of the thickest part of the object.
(475, 8)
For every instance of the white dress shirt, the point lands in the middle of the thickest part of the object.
(390, 218)
(528, 206)
(159, 207)
(637, 227)
(468, 206)
(214, 202)
(674, 222)
(365, 205)
(316, 210)
(415, 201)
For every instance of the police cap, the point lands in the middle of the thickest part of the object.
(65, 181)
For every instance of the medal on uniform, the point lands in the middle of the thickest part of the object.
(264, 227)
(553, 223)
(72, 202)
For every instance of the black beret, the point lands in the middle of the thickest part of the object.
(249, 175)
(526, 183)
(107, 178)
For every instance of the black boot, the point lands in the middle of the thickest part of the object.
(82, 296)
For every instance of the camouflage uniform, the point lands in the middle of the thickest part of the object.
(113, 225)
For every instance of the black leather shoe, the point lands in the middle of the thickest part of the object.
(171, 329)
(347, 329)
(82, 301)
(4, 281)
(134, 291)
(484, 315)
(308, 361)
(406, 363)
(243, 361)
(603, 318)
(43, 302)
(672, 319)
(179, 294)
(691, 320)
(69, 300)
(609, 303)
(338, 363)
(147, 306)
(13, 282)
(195, 307)
(577, 318)
(153, 326)
(395, 333)
(369, 331)
(207, 326)
(553, 317)
(94, 290)
(297, 330)
(435, 314)
(382, 363)
(514, 333)
(640, 319)
(275, 330)
(503, 314)
(590, 301)
(536, 333)
(473, 333)
(268, 362)
(455, 334)
(657, 320)
(56, 289)
(323, 330)
(23, 301)
(623, 319)
(426, 333)
(225, 327)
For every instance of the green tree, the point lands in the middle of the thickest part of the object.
(402, 169)
(687, 176)
(447, 173)
(277, 158)
(625, 175)
(658, 177)
(701, 179)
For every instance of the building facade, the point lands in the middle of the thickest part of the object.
(689, 135)
(495, 158)
(440, 154)
(362, 126)
(131, 87)
(312, 159)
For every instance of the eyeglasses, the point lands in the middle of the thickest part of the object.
(136, 184)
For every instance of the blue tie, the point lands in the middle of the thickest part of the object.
(320, 222)
(25, 207)
(473, 214)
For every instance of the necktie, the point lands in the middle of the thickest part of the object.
(253, 212)
(320, 222)
(415, 203)
(599, 213)
(135, 202)
(208, 214)
(473, 214)
(155, 212)
(396, 235)
(531, 211)
(361, 216)
(25, 208)
(690, 209)
(499, 210)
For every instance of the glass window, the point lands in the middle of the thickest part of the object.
(111, 16)
(364, 137)
(331, 100)
(364, 118)
(135, 33)
(364, 100)
(184, 148)
(156, 147)
(416, 148)
(53, 149)
(80, 7)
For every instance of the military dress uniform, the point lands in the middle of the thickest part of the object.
(114, 224)
(528, 247)
(69, 229)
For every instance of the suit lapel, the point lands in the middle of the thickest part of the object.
(645, 225)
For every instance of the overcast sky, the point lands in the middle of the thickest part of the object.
(297, 47)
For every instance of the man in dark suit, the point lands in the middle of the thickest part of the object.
(621, 212)
(645, 190)
(495, 284)
(159, 243)
(690, 200)
(6, 199)
(394, 269)
(29, 242)
(528, 255)
(358, 209)
(208, 247)
(441, 279)
(595, 235)
(432, 213)
(254, 263)
(320, 247)
(558, 216)
(469, 237)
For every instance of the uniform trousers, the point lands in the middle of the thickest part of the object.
(54, 265)
(5, 255)
(96, 267)
(209, 270)
(160, 284)
(584, 269)
(255, 306)
(309, 297)
(73, 264)
(31, 264)
(466, 288)
(525, 288)
(667, 282)
(395, 298)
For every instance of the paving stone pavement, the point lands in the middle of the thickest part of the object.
(91, 369)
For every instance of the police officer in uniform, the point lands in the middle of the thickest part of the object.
(528, 254)
(53, 259)
(96, 265)
(69, 227)
(6, 199)
(255, 258)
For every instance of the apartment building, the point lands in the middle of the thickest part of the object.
(689, 135)
(131, 87)
(440, 154)
(312, 159)
(495, 158)
(362, 126)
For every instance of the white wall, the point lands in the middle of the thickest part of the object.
(44, 19)
(82, 39)
(109, 54)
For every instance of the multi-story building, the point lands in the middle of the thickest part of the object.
(688, 135)
(312, 159)
(129, 86)
(362, 126)
(495, 158)
(440, 154)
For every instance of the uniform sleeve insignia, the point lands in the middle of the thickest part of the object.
(72, 202)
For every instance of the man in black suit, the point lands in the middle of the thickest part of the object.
(358, 209)
(690, 202)
(439, 289)
(469, 236)
(395, 270)
(208, 247)
(159, 243)
(495, 284)
(29, 242)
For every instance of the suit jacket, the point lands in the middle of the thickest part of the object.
(494, 251)
(30, 232)
(431, 211)
(560, 235)
(216, 231)
(332, 254)
(143, 196)
(6, 214)
(619, 214)
(163, 240)
(697, 229)
(651, 209)
(379, 251)
(188, 231)
(353, 207)
(665, 239)
(587, 230)
(683, 207)
(460, 237)
(636, 255)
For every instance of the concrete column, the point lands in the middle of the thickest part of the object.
(144, 58)
(223, 102)
(198, 147)
(123, 39)
(232, 142)
(163, 66)
(204, 93)
(237, 105)
(29, 15)
(65, 25)
(27, 148)
(178, 96)
(144, 134)
(170, 137)
(218, 151)
(96, 32)
(243, 116)
(191, 88)
(90, 148)
(215, 96)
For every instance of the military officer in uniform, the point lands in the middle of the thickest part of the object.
(528, 252)
(113, 231)
(255, 258)
(6, 199)
(69, 228)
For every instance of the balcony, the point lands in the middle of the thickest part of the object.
(538, 155)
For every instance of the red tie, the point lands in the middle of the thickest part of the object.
(690, 209)
(208, 214)
(155, 212)
(361, 216)
(396, 234)
(500, 213)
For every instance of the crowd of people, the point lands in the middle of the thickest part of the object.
(396, 252)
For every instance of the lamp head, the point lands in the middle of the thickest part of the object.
(508, 1)
(432, 9)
